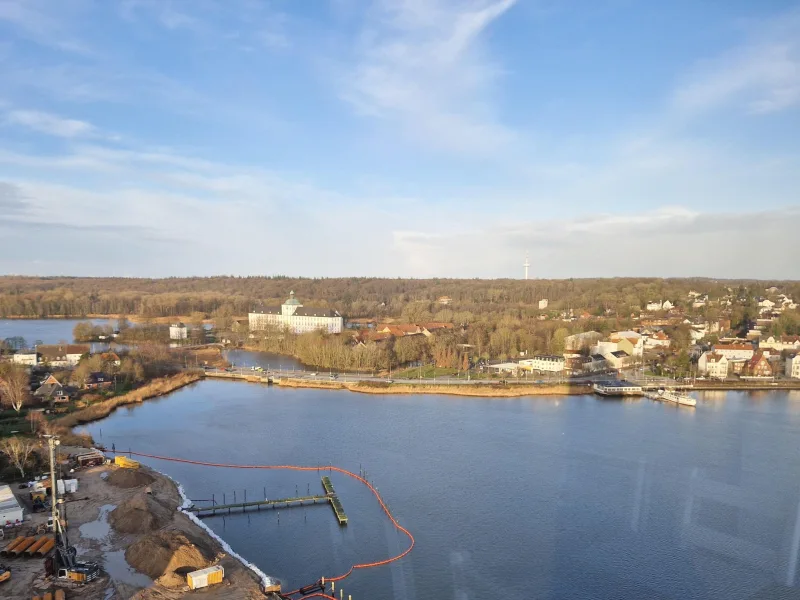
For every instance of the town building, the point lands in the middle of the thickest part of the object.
(653, 306)
(580, 341)
(52, 390)
(780, 343)
(618, 359)
(544, 363)
(292, 315)
(595, 363)
(543, 303)
(444, 300)
(97, 380)
(658, 340)
(28, 358)
(633, 338)
(793, 366)
(729, 351)
(759, 366)
(62, 355)
(111, 358)
(178, 331)
(713, 364)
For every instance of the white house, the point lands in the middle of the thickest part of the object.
(29, 358)
(585, 339)
(793, 366)
(766, 303)
(633, 337)
(178, 331)
(734, 351)
(713, 364)
(543, 303)
(10, 510)
(653, 306)
(784, 342)
(62, 355)
(293, 316)
(617, 359)
(667, 305)
(658, 340)
(546, 363)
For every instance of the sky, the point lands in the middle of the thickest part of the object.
(400, 138)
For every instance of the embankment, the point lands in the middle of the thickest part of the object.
(100, 410)
(482, 390)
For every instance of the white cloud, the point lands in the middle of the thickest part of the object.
(420, 64)
(50, 124)
(45, 22)
(762, 75)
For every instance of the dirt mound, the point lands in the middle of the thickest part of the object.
(166, 556)
(129, 478)
(140, 514)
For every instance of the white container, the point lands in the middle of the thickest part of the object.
(205, 577)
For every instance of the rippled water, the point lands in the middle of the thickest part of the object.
(523, 498)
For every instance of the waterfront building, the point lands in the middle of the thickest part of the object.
(178, 331)
(62, 355)
(735, 351)
(544, 363)
(292, 315)
(29, 358)
(713, 364)
(793, 366)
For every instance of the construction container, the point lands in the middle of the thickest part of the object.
(205, 577)
(90, 459)
(125, 462)
(46, 547)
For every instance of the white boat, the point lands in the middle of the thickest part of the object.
(677, 397)
(617, 388)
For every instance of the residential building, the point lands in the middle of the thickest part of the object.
(667, 305)
(759, 366)
(780, 343)
(658, 340)
(713, 364)
(178, 331)
(111, 358)
(62, 355)
(595, 363)
(793, 366)
(544, 363)
(730, 351)
(445, 300)
(653, 306)
(293, 316)
(766, 303)
(97, 380)
(543, 303)
(52, 390)
(29, 358)
(618, 359)
(634, 338)
(580, 341)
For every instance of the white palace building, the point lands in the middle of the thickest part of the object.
(294, 317)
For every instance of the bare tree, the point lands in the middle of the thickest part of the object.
(18, 450)
(14, 387)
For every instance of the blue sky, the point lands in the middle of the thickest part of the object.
(400, 137)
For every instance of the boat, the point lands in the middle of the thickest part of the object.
(677, 397)
(617, 388)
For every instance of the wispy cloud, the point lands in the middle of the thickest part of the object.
(421, 64)
(45, 22)
(762, 75)
(50, 124)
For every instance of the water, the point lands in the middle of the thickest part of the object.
(48, 331)
(548, 498)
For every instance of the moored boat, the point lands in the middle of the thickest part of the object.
(677, 397)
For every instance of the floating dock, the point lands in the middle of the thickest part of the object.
(205, 511)
(334, 500)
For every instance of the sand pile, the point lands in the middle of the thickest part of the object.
(129, 478)
(140, 514)
(166, 556)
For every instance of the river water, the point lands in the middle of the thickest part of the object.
(550, 498)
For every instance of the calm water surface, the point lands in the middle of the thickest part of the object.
(48, 331)
(551, 498)
(525, 498)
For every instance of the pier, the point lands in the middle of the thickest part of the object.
(334, 500)
(205, 511)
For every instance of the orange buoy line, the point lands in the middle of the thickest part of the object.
(299, 468)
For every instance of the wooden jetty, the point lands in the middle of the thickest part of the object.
(205, 511)
(334, 500)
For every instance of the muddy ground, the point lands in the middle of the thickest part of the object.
(153, 536)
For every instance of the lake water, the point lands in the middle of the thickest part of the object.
(526, 498)
(48, 331)
(548, 498)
